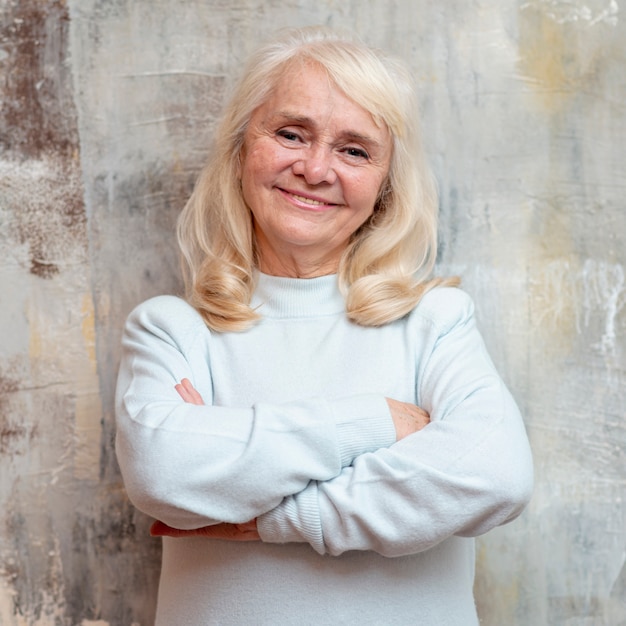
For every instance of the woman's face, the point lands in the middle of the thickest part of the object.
(313, 163)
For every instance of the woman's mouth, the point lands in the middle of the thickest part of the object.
(307, 200)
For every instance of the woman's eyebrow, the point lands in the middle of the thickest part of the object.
(348, 135)
(289, 116)
(352, 135)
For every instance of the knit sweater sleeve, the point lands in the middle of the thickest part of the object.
(191, 466)
(466, 472)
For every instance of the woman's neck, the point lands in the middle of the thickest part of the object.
(300, 266)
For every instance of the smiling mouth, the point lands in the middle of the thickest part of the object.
(307, 200)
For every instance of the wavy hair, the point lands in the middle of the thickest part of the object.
(386, 266)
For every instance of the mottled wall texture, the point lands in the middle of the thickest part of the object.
(106, 111)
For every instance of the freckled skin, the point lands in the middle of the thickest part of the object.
(313, 164)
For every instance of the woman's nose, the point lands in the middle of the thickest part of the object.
(316, 166)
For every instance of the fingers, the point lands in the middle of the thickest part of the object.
(182, 392)
(228, 532)
(188, 393)
(159, 529)
(407, 418)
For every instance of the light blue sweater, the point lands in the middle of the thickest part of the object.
(297, 433)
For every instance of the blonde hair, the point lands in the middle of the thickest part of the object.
(386, 267)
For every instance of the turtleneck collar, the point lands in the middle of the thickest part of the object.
(281, 297)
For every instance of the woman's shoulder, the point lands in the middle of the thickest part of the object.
(169, 313)
(163, 305)
(444, 307)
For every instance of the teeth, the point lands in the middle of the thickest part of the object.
(308, 200)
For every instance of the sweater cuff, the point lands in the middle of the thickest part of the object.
(363, 424)
(294, 520)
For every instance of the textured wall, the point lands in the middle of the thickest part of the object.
(106, 110)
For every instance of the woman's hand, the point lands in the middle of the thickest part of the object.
(230, 532)
(188, 393)
(407, 418)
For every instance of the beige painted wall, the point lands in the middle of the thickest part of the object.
(106, 111)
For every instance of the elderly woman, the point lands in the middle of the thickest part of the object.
(318, 429)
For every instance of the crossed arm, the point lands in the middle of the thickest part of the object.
(407, 419)
(343, 479)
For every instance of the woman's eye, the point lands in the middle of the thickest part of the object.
(357, 152)
(288, 135)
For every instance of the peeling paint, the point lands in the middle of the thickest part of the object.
(559, 59)
(567, 295)
(88, 328)
(564, 11)
(47, 216)
(37, 111)
(16, 435)
(604, 290)
(88, 409)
